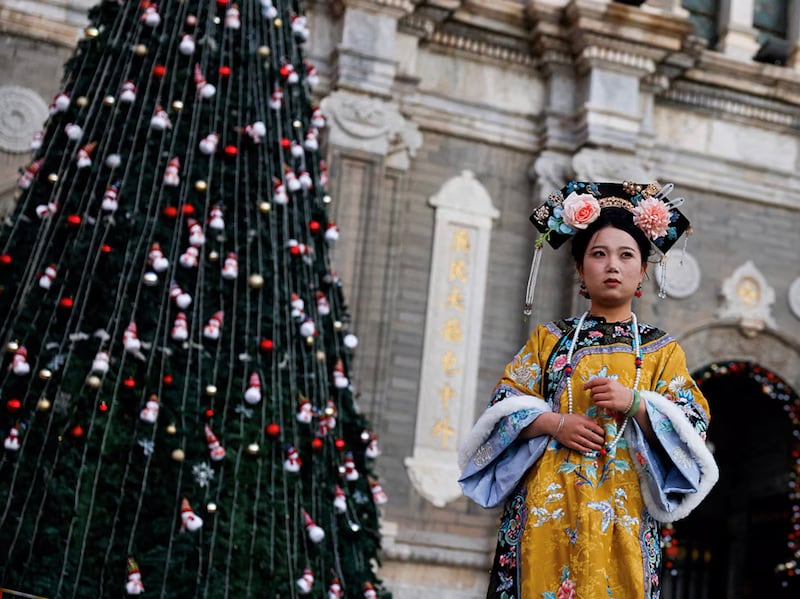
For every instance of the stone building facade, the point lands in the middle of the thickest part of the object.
(450, 120)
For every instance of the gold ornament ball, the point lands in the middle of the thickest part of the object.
(178, 455)
(327, 199)
(171, 429)
(12, 346)
(45, 374)
(43, 404)
(217, 20)
(310, 340)
(109, 100)
(211, 507)
(52, 177)
(93, 381)
(330, 411)
(263, 51)
(177, 105)
(321, 356)
(213, 255)
(297, 124)
(150, 279)
(82, 101)
(91, 31)
(256, 281)
(140, 50)
(200, 185)
(264, 207)
(211, 390)
(253, 448)
(337, 325)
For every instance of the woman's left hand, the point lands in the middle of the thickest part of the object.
(609, 394)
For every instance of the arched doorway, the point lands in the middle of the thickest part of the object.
(740, 543)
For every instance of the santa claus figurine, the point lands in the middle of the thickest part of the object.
(290, 177)
(196, 235)
(350, 472)
(317, 118)
(256, 131)
(215, 450)
(332, 232)
(172, 172)
(378, 494)
(27, 177)
(19, 363)
(340, 381)
(203, 87)
(149, 413)
(215, 219)
(279, 195)
(292, 463)
(190, 258)
(289, 73)
(253, 393)
(208, 145)
(189, 520)
(276, 98)
(60, 103)
(130, 339)
(311, 142)
(85, 155)
(73, 131)
(323, 307)
(186, 47)
(127, 94)
(312, 76)
(305, 583)
(212, 328)
(47, 278)
(232, 17)
(306, 182)
(373, 450)
(335, 589)
(300, 27)
(230, 267)
(150, 17)
(101, 362)
(369, 591)
(134, 585)
(160, 119)
(180, 328)
(36, 140)
(339, 501)
(11, 442)
(182, 299)
(110, 201)
(305, 413)
(315, 532)
(156, 258)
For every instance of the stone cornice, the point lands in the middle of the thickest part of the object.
(482, 50)
(38, 27)
(398, 8)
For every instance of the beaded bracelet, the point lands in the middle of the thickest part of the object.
(636, 401)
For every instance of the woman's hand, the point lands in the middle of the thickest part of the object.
(581, 433)
(610, 395)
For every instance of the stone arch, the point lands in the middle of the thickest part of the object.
(721, 341)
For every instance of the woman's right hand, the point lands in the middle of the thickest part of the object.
(581, 433)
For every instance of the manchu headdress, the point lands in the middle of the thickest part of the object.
(578, 204)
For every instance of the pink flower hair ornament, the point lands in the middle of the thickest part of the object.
(579, 203)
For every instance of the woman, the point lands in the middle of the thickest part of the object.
(595, 433)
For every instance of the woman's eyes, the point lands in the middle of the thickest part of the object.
(601, 253)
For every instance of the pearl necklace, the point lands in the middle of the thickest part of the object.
(637, 352)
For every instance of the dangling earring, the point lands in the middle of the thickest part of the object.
(582, 291)
(638, 290)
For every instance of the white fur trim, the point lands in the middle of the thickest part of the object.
(483, 428)
(709, 473)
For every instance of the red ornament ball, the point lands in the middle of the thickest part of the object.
(159, 70)
(13, 405)
(188, 209)
(76, 431)
(231, 150)
(170, 212)
(5, 259)
(129, 382)
(105, 248)
(74, 220)
(314, 226)
(167, 379)
(272, 430)
(66, 303)
(285, 70)
(285, 143)
(103, 407)
(316, 444)
(224, 71)
(222, 3)
(267, 345)
(209, 413)
(340, 444)
(294, 250)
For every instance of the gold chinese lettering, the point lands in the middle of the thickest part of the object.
(446, 393)
(450, 364)
(458, 271)
(455, 299)
(451, 331)
(460, 241)
(443, 429)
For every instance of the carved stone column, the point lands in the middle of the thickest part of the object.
(737, 34)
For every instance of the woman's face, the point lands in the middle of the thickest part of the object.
(612, 267)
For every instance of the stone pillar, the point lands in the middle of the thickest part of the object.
(737, 35)
(793, 35)
(448, 383)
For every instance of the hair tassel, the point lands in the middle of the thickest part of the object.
(534, 274)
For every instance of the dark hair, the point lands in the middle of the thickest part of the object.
(619, 218)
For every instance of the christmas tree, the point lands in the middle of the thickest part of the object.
(175, 403)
